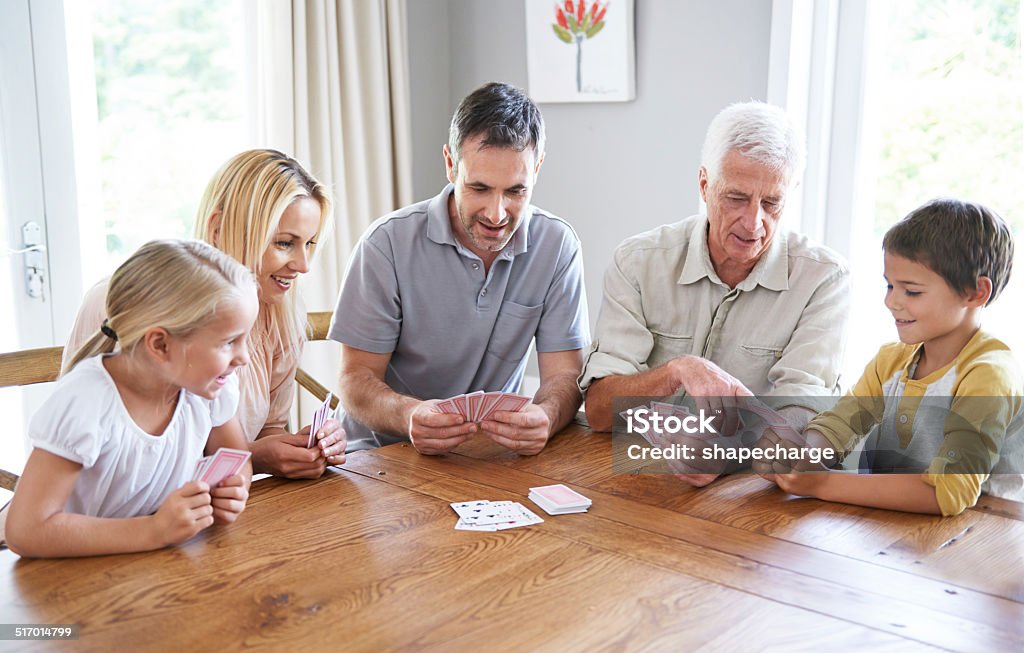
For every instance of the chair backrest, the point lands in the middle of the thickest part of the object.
(318, 325)
(30, 366)
(26, 368)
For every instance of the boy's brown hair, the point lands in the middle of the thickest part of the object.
(960, 241)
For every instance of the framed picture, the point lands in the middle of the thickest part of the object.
(580, 50)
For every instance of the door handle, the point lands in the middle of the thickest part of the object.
(34, 252)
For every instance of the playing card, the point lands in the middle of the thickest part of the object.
(510, 402)
(223, 463)
(774, 420)
(476, 400)
(448, 407)
(518, 515)
(485, 512)
(319, 418)
(561, 496)
(461, 525)
(487, 405)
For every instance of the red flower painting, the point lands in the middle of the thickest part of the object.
(575, 23)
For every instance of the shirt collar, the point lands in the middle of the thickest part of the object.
(439, 227)
(771, 271)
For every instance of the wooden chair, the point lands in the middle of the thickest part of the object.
(43, 365)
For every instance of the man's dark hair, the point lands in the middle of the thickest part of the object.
(960, 241)
(503, 114)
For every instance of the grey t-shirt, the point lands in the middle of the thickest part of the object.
(412, 290)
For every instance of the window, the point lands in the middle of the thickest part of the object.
(171, 107)
(903, 102)
(138, 104)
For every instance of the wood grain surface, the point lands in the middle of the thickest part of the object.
(366, 558)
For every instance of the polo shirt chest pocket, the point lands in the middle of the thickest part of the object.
(668, 346)
(514, 330)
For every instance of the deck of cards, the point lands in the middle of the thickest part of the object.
(322, 414)
(559, 499)
(483, 515)
(220, 465)
(478, 406)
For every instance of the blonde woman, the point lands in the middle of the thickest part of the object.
(265, 211)
(114, 449)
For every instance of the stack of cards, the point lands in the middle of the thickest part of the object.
(478, 406)
(223, 463)
(486, 515)
(559, 499)
(322, 414)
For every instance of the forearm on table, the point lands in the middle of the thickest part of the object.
(69, 535)
(905, 492)
(560, 398)
(658, 382)
(374, 404)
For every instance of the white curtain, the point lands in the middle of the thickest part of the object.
(330, 87)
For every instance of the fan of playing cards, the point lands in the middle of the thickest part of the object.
(322, 414)
(222, 464)
(478, 406)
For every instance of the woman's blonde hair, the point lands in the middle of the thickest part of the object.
(241, 210)
(175, 284)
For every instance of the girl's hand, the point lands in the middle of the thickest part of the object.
(228, 499)
(185, 512)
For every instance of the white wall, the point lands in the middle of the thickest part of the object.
(612, 169)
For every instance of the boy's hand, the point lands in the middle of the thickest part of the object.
(228, 499)
(801, 484)
(185, 512)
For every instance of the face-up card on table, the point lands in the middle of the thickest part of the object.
(222, 464)
(485, 515)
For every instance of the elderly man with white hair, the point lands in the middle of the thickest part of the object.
(726, 304)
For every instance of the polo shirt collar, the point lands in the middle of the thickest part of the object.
(771, 271)
(439, 226)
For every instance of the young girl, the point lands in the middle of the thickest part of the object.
(116, 445)
(267, 212)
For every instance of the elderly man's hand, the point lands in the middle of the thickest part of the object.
(713, 389)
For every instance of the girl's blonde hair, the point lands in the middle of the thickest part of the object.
(175, 284)
(241, 209)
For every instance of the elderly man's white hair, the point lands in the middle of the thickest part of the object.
(760, 131)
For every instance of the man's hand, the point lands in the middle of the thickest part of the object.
(286, 455)
(330, 440)
(525, 432)
(713, 389)
(433, 432)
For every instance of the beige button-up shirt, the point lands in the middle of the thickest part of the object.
(780, 331)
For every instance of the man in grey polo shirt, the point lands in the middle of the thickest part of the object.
(726, 304)
(445, 296)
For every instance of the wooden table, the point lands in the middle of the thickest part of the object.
(367, 559)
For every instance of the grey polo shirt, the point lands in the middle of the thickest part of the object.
(780, 331)
(412, 290)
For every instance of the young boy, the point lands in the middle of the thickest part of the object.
(942, 406)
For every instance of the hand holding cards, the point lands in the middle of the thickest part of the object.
(224, 463)
(478, 406)
(320, 417)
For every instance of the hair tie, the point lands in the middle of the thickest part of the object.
(108, 332)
